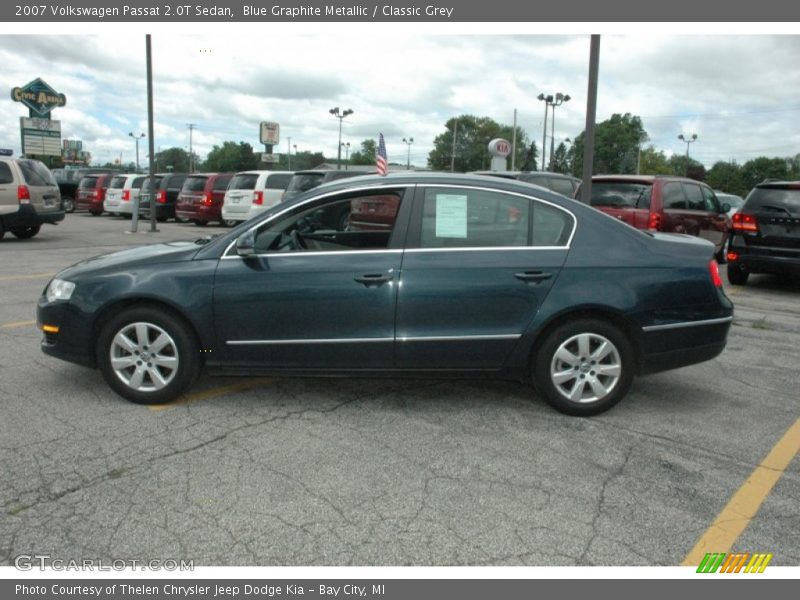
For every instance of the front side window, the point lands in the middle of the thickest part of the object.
(694, 196)
(362, 221)
(710, 202)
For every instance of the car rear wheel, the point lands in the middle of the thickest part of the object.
(147, 356)
(584, 367)
(228, 222)
(737, 275)
(24, 233)
(96, 213)
(200, 223)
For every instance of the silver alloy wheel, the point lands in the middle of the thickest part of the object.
(586, 368)
(144, 357)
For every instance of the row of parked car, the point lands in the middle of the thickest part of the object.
(201, 198)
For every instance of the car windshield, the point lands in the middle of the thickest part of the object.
(619, 194)
(36, 173)
(243, 181)
(304, 182)
(775, 198)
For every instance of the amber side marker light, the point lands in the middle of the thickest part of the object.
(50, 328)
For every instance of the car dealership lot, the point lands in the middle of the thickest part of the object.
(314, 471)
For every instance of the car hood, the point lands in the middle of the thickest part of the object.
(122, 260)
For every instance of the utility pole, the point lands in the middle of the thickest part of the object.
(453, 155)
(514, 143)
(288, 154)
(191, 127)
(591, 115)
(547, 100)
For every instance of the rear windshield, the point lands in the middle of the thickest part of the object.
(137, 183)
(279, 181)
(194, 184)
(87, 183)
(301, 183)
(244, 181)
(35, 173)
(778, 199)
(117, 183)
(175, 182)
(619, 194)
(562, 186)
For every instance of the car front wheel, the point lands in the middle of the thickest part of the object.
(584, 367)
(147, 356)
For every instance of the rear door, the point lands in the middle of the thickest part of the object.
(43, 187)
(113, 198)
(777, 213)
(240, 195)
(478, 266)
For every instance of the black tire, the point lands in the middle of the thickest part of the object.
(228, 223)
(2, 229)
(69, 205)
(183, 347)
(200, 223)
(24, 233)
(96, 213)
(737, 275)
(586, 374)
(161, 219)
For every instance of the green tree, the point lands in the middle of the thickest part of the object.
(301, 161)
(757, 170)
(616, 146)
(175, 160)
(367, 154)
(683, 168)
(472, 138)
(561, 159)
(231, 157)
(726, 177)
(654, 162)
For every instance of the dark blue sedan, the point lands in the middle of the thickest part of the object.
(421, 275)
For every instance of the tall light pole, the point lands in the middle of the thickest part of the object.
(288, 154)
(547, 100)
(341, 116)
(136, 138)
(346, 147)
(688, 141)
(408, 142)
(560, 99)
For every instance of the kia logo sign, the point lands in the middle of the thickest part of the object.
(499, 147)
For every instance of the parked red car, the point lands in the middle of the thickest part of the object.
(664, 203)
(91, 192)
(201, 197)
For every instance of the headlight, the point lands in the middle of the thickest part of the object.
(59, 290)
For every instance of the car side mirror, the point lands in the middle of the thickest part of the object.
(725, 207)
(246, 243)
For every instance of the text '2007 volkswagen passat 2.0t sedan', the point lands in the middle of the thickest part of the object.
(431, 275)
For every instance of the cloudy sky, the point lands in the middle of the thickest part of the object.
(739, 94)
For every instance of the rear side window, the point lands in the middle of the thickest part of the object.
(137, 183)
(5, 173)
(221, 183)
(87, 183)
(195, 184)
(551, 226)
(562, 186)
(459, 218)
(244, 181)
(279, 181)
(621, 194)
(674, 196)
(694, 196)
(304, 182)
(35, 173)
(117, 183)
(774, 199)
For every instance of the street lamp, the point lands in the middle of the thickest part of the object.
(136, 139)
(560, 99)
(547, 100)
(408, 143)
(340, 115)
(688, 141)
(346, 153)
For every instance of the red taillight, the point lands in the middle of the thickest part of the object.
(162, 197)
(654, 222)
(745, 222)
(206, 201)
(714, 270)
(126, 195)
(733, 256)
(258, 198)
(23, 194)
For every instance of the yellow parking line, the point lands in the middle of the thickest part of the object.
(31, 276)
(215, 392)
(744, 504)
(17, 324)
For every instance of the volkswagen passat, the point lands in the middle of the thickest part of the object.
(466, 276)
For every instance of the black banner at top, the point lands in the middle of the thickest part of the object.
(403, 11)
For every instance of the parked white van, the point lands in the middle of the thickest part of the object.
(252, 192)
(122, 192)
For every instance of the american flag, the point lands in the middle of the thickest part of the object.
(380, 159)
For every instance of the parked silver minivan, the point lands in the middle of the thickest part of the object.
(29, 196)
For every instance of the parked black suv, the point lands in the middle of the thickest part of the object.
(562, 184)
(302, 181)
(168, 186)
(766, 232)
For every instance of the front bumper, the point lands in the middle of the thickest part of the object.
(74, 340)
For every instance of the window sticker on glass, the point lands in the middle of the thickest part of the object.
(451, 216)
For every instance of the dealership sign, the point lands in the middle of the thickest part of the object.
(39, 97)
(270, 133)
(41, 137)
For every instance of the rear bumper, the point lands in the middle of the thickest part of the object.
(27, 216)
(91, 205)
(199, 213)
(764, 259)
(678, 345)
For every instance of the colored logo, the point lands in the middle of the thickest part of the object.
(744, 562)
(39, 97)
